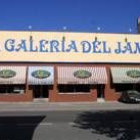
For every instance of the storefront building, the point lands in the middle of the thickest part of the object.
(67, 67)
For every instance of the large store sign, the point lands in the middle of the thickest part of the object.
(68, 47)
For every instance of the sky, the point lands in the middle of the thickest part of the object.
(110, 16)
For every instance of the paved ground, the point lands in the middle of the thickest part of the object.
(70, 125)
(69, 121)
(47, 106)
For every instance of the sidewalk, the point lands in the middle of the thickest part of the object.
(62, 106)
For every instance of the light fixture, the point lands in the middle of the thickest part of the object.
(96, 38)
(30, 28)
(98, 29)
(126, 39)
(130, 31)
(64, 29)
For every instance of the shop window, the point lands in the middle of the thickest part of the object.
(74, 88)
(12, 89)
(124, 87)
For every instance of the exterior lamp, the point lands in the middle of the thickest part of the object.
(98, 29)
(126, 40)
(96, 38)
(64, 29)
(30, 28)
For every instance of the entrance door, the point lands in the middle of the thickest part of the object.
(100, 91)
(41, 91)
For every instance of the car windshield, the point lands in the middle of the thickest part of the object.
(134, 94)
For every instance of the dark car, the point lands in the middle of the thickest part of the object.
(130, 96)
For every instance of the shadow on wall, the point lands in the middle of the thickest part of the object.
(122, 125)
(18, 128)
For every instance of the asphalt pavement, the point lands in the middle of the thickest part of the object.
(43, 120)
(70, 125)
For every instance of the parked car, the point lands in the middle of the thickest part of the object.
(130, 96)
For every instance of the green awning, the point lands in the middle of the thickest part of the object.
(12, 74)
(125, 74)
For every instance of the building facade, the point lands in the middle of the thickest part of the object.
(67, 67)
